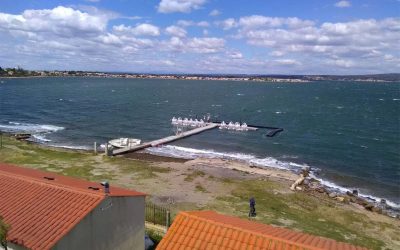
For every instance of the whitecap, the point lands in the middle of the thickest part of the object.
(395, 99)
(239, 94)
(41, 138)
(361, 194)
(71, 147)
(14, 127)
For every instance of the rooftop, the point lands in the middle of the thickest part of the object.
(210, 230)
(42, 207)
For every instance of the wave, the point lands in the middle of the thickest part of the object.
(14, 127)
(191, 153)
(41, 138)
(71, 147)
(38, 131)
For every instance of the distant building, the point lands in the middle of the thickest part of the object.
(210, 230)
(50, 211)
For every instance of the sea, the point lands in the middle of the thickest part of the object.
(347, 132)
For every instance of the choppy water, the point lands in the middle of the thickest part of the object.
(348, 131)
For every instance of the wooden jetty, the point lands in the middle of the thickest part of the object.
(209, 126)
(164, 140)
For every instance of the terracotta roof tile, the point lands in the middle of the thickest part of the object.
(41, 211)
(210, 230)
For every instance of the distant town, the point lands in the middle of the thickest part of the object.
(20, 72)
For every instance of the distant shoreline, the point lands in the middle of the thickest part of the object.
(200, 78)
(297, 78)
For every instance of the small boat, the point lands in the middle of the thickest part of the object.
(124, 142)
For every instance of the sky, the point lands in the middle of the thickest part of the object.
(202, 36)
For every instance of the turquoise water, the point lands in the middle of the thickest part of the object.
(348, 132)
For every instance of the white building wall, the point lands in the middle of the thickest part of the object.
(116, 223)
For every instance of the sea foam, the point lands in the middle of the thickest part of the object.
(38, 131)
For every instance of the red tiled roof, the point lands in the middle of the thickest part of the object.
(210, 230)
(41, 211)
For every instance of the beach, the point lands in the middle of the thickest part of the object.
(216, 184)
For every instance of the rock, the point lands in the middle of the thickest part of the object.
(332, 195)
(352, 199)
(312, 180)
(298, 188)
(346, 199)
(383, 201)
(339, 198)
(377, 210)
(320, 190)
(368, 206)
(349, 193)
(355, 192)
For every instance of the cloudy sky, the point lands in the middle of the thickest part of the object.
(202, 36)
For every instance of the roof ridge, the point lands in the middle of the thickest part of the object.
(51, 184)
(194, 215)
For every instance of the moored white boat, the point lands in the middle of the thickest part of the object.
(124, 142)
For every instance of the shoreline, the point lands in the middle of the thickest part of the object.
(221, 185)
(312, 184)
(203, 78)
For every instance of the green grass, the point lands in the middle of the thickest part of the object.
(200, 188)
(140, 169)
(197, 173)
(298, 211)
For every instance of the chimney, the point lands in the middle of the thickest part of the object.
(106, 187)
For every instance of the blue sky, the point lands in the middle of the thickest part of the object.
(202, 36)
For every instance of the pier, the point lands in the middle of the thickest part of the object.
(204, 127)
(165, 140)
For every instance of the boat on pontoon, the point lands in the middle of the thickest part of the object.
(124, 142)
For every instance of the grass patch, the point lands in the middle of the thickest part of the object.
(301, 210)
(141, 169)
(197, 173)
(200, 188)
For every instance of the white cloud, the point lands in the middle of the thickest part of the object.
(85, 39)
(187, 23)
(228, 23)
(143, 29)
(257, 21)
(184, 6)
(235, 55)
(287, 62)
(202, 45)
(175, 31)
(62, 21)
(343, 4)
(364, 41)
(203, 24)
(214, 12)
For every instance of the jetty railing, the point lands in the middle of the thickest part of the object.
(157, 215)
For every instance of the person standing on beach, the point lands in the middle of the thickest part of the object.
(252, 212)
